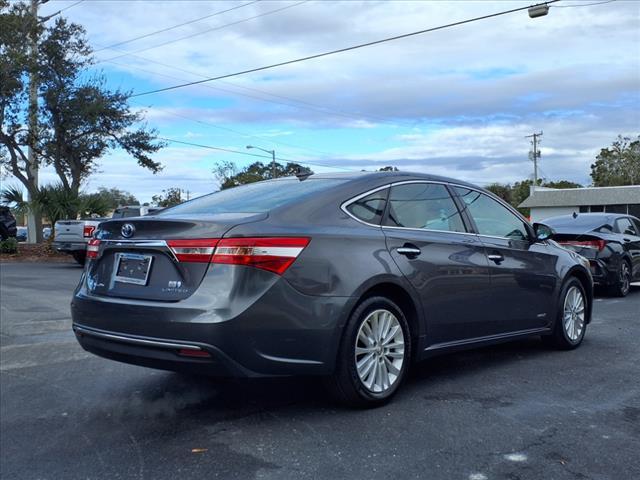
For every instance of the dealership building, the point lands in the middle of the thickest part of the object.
(549, 202)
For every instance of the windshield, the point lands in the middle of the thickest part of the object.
(253, 198)
(581, 221)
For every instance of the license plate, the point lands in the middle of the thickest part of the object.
(132, 268)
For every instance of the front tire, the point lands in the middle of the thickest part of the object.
(374, 354)
(571, 320)
(623, 280)
(79, 257)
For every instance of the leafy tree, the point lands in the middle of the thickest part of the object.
(562, 184)
(79, 119)
(518, 192)
(229, 176)
(168, 198)
(618, 164)
(502, 191)
(115, 197)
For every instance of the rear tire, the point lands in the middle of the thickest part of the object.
(374, 354)
(571, 319)
(79, 257)
(623, 280)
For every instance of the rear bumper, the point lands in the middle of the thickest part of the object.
(69, 247)
(269, 332)
(603, 273)
(158, 353)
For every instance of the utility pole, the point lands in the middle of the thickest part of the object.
(34, 221)
(535, 155)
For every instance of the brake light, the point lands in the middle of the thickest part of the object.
(88, 230)
(186, 352)
(193, 250)
(274, 254)
(594, 244)
(93, 247)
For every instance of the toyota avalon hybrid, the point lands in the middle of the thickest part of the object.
(350, 277)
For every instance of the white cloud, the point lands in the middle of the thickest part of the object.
(458, 101)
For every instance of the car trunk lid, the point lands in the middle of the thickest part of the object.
(156, 258)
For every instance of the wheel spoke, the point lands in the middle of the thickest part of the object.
(390, 334)
(384, 374)
(362, 351)
(391, 367)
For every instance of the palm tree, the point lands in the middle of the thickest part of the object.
(56, 203)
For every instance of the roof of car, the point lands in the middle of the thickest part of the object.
(391, 176)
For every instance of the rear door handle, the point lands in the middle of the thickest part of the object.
(409, 251)
(495, 257)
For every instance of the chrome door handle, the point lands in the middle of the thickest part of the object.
(408, 251)
(495, 257)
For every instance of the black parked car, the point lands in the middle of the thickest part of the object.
(351, 277)
(7, 223)
(610, 241)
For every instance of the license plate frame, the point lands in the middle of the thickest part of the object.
(117, 277)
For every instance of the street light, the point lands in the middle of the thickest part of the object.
(538, 10)
(273, 159)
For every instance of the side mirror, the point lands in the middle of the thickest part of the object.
(543, 232)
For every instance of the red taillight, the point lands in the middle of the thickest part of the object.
(274, 254)
(88, 230)
(194, 250)
(93, 247)
(187, 352)
(594, 244)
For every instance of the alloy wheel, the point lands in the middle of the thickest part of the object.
(379, 351)
(625, 278)
(574, 313)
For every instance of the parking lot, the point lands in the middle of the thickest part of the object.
(516, 411)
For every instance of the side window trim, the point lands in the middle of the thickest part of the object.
(344, 206)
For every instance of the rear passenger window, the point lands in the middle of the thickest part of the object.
(626, 227)
(423, 205)
(370, 208)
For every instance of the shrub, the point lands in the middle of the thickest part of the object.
(10, 245)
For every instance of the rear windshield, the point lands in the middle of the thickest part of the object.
(253, 198)
(581, 221)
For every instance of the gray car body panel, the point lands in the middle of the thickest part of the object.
(254, 322)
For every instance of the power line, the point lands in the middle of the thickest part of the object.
(237, 132)
(202, 32)
(583, 4)
(340, 50)
(305, 105)
(240, 152)
(162, 30)
(71, 6)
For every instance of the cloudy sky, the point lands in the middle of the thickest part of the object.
(457, 102)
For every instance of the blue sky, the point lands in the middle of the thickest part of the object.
(457, 102)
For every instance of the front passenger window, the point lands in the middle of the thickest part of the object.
(626, 227)
(492, 218)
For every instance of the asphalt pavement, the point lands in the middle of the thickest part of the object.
(516, 411)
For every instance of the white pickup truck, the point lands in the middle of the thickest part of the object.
(72, 236)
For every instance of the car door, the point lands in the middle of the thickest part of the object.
(430, 243)
(630, 232)
(523, 274)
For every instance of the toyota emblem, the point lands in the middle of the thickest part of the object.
(127, 230)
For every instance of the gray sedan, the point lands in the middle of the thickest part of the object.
(349, 277)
